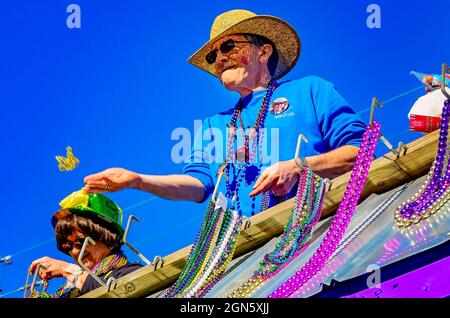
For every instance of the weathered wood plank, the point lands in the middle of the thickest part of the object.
(385, 174)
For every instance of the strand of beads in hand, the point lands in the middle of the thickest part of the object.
(62, 292)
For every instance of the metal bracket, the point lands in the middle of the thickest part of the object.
(33, 282)
(158, 259)
(297, 159)
(110, 282)
(375, 102)
(233, 199)
(88, 240)
(221, 202)
(246, 222)
(401, 150)
(443, 85)
(219, 178)
(222, 169)
(297, 149)
(125, 241)
(327, 184)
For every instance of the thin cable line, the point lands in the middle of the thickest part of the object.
(140, 203)
(392, 99)
(168, 230)
(33, 247)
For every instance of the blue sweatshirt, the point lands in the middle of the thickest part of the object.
(310, 106)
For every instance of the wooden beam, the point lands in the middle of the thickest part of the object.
(385, 174)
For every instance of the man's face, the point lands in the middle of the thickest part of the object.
(239, 67)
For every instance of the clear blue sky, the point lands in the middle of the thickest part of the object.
(116, 88)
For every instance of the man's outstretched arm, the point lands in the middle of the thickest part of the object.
(174, 187)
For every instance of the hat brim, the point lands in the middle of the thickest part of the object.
(95, 217)
(281, 33)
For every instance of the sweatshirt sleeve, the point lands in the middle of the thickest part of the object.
(339, 123)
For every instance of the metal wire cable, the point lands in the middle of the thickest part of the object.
(393, 98)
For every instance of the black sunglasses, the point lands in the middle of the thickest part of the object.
(225, 48)
(67, 245)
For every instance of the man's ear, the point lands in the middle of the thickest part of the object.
(265, 53)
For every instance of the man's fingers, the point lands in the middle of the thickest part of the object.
(93, 177)
(282, 188)
(98, 189)
(102, 181)
(279, 191)
(106, 185)
(97, 186)
(262, 187)
(97, 183)
(260, 180)
(284, 185)
(109, 180)
(93, 190)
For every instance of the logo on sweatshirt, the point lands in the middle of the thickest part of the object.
(279, 105)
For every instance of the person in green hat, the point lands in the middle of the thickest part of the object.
(86, 215)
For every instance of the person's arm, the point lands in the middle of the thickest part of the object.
(280, 177)
(175, 187)
(334, 163)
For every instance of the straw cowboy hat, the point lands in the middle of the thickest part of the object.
(285, 38)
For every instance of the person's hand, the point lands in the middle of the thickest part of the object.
(111, 180)
(279, 178)
(53, 268)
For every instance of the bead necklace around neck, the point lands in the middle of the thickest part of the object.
(110, 262)
(240, 160)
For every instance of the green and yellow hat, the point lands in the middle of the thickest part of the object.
(96, 207)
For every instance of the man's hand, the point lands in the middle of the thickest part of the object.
(279, 178)
(111, 180)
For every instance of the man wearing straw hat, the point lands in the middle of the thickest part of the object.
(249, 54)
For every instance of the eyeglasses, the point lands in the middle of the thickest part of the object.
(225, 48)
(67, 245)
